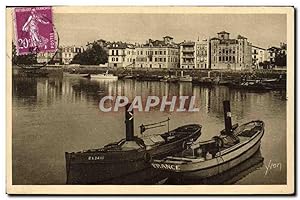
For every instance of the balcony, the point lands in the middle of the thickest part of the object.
(188, 49)
(188, 56)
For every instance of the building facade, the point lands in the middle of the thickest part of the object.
(194, 55)
(202, 54)
(121, 55)
(187, 55)
(50, 57)
(230, 54)
(68, 53)
(158, 54)
(259, 55)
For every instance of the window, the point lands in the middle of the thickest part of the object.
(165, 60)
(155, 52)
(150, 65)
(141, 52)
(113, 59)
(117, 52)
(116, 59)
(165, 52)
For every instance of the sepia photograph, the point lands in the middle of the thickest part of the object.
(150, 100)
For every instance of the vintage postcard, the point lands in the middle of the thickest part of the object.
(150, 100)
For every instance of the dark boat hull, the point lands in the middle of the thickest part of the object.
(120, 168)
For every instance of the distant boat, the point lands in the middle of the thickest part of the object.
(185, 78)
(128, 77)
(205, 159)
(85, 75)
(204, 81)
(104, 76)
(254, 85)
(170, 79)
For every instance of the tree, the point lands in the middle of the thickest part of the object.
(22, 59)
(280, 59)
(94, 55)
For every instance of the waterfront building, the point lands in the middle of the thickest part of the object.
(276, 57)
(187, 55)
(50, 57)
(158, 54)
(259, 55)
(230, 54)
(202, 54)
(121, 54)
(69, 52)
(194, 55)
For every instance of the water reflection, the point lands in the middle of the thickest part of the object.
(54, 115)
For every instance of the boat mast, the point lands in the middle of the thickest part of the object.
(227, 117)
(129, 123)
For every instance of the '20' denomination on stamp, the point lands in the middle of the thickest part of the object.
(34, 30)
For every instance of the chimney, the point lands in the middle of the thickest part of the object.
(129, 123)
(227, 117)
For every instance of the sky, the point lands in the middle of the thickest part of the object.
(263, 30)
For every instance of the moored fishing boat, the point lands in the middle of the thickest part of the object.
(128, 161)
(205, 159)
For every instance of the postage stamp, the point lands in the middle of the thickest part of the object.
(34, 30)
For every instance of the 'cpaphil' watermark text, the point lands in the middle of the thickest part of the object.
(164, 103)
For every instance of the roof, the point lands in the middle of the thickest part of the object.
(223, 32)
(241, 37)
(273, 48)
(258, 47)
(119, 45)
(188, 43)
(214, 38)
(168, 37)
(159, 43)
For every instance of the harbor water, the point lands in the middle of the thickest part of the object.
(52, 116)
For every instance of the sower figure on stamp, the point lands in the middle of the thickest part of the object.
(31, 26)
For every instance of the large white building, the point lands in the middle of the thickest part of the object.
(121, 55)
(68, 53)
(259, 55)
(230, 54)
(158, 54)
(46, 57)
